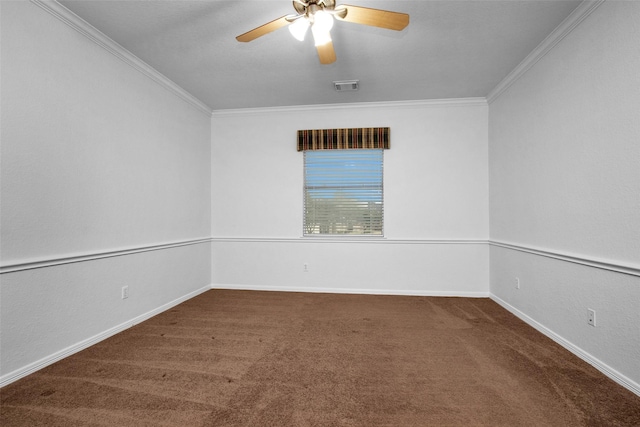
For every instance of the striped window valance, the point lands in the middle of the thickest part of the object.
(343, 139)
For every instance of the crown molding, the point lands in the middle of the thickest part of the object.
(578, 15)
(452, 102)
(100, 39)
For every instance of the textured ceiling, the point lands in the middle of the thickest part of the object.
(451, 49)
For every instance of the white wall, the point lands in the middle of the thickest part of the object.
(96, 157)
(435, 196)
(565, 180)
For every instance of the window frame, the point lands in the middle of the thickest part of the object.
(345, 235)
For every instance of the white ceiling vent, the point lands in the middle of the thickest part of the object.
(346, 85)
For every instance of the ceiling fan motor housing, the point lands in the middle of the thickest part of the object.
(312, 6)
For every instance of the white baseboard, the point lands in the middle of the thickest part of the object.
(59, 355)
(46, 361)
(596, 363)
(405, 292)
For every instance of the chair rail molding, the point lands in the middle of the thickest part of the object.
(30, 264)
(349, 240)
(610, 265)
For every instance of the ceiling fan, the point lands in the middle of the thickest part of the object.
(319, 15)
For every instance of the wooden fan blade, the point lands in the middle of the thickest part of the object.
(374, 17)
(326, 53)
(263, 29)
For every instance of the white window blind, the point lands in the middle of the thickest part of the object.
(343, 192)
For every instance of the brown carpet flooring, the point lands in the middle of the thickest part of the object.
(244, 358)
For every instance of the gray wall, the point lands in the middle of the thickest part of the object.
(97, 159)
(564, 164)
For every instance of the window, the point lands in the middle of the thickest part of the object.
(343, 192)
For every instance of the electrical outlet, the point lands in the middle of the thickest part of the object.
(591, 317)
(517, 282)
(305, 267)
(125, 292)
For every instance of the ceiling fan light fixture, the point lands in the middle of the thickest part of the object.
(323, 21)
(321, 27)
(320, 37)
(299, 28)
